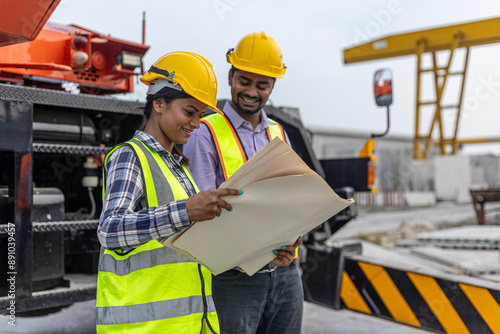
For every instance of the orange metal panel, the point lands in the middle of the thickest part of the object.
(23, 20)
(54, 49)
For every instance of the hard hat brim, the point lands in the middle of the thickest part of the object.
(217, 110)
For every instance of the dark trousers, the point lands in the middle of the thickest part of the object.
(263, 303)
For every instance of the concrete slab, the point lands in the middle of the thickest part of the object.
(394, 258)
(448, 214)
(479, 233)
(465, 237)
(469, 262)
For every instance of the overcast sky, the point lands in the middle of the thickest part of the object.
(312, 36)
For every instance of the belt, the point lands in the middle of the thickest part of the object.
(270, 267)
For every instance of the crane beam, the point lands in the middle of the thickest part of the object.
(437, 39)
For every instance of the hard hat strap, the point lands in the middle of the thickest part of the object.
(228, 53)
(163, 72)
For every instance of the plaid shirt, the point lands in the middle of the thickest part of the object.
(126, 222)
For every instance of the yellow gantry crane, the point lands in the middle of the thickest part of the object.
(433, 41)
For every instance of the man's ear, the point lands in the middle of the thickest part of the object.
(230, 77)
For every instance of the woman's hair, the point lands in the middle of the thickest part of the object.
(168, 95)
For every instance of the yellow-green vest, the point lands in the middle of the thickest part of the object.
(154, 289)
(229, 147)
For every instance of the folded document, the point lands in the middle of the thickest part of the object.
(283, 199)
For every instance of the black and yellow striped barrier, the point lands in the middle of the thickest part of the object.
(419, 300)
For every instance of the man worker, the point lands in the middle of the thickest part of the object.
(271, 300)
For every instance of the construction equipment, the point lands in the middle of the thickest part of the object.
(50, 191)
(52, 145)
(446, 41)
(99, 64)
(22, 23)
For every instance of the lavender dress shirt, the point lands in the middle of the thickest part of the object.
(202, 154)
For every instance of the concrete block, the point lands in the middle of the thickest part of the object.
(463, 196)
(452, 177)
(422, 175)
(420, 198)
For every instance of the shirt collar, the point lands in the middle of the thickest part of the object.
(237, 120)
(149, 140)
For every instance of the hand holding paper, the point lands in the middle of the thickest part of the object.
(286, 254)
(207, 205)
(283, 199)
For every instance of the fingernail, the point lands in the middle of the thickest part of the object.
(300, 237)
(283, 247)
(218, 215)
(275, 251)
(240, 192)
(231, 209)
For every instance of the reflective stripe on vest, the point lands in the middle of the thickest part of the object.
(154, 289)
(165, 309)
(229, 148)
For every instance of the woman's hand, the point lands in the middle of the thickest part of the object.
(284, 256)
(206, 205)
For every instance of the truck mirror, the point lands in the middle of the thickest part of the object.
(382, 86)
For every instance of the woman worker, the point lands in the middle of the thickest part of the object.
(143, 286)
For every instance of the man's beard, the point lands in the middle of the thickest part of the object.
(247, 110)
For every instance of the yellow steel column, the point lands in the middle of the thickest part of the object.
(440, 88)
(416, 139)
(454, 143)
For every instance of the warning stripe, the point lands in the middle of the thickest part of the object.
(351, 296)
(389, 293)
(439, 303)
(485, 304)
(419, 300)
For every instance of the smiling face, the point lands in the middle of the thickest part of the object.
(174, 122)
(249, 91)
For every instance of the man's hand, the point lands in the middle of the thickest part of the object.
(206, 205)
(285, 256)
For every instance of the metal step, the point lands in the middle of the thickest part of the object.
(49, 299)
(70, 225)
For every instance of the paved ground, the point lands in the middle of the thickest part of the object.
(79, 318)
(322, 320)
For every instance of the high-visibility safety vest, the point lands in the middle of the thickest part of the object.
(229, 147)
(154, 289)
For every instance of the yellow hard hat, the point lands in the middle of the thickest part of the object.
(258, 53)
(192, 72)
